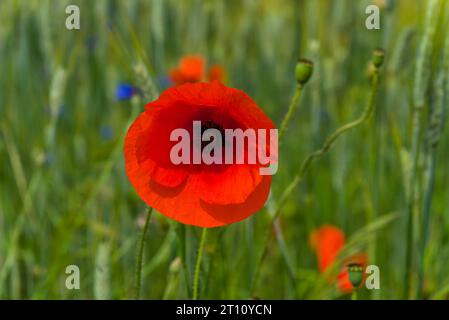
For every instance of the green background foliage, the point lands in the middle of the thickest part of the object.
(65, 198)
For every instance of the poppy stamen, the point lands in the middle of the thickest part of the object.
(211, 124)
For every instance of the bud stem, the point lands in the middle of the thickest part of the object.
(290, 111)
(140, 254)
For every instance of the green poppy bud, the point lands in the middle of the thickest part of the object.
(303, 71)
(355, 273)
(378, 57)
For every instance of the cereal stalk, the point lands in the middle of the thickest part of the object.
(433, 136)
(422, 75)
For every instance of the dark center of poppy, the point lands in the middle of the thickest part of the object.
(210, 124)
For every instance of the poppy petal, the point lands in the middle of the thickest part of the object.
(232, 186)
(327, 241)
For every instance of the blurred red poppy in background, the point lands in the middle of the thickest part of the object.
(196, 194)
(327, 241)
(216, 73)
(192, 68)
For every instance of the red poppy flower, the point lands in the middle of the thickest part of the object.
(196, 194)
(216, 73)
(190, 69)
(327, 242)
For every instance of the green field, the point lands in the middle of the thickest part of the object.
(65, 198)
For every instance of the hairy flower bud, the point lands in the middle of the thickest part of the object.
(303, 71)
(355, 273)
(378, 57)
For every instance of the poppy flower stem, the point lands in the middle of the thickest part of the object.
(290, 111)
(329, 142)
(183, 252)
(140, 254)
(196, 278)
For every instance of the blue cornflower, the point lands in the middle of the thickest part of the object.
(124, 91)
